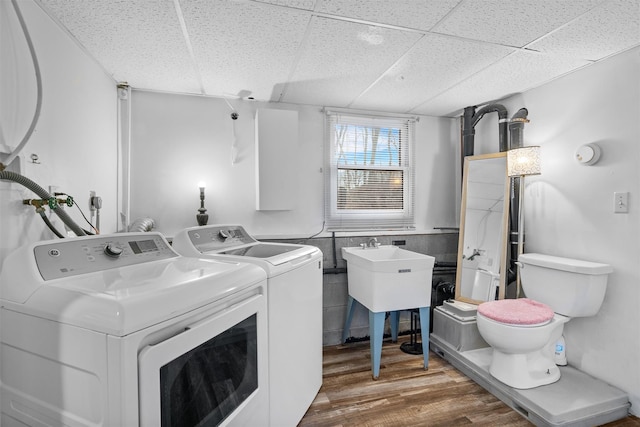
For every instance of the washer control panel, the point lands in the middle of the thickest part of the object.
(71, 257)
(218, 238)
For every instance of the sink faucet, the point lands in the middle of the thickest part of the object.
(373, 243)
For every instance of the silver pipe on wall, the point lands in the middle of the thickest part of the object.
(516, 128)
(516, 140)
(36, 114)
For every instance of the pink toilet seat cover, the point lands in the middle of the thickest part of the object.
(520, 311)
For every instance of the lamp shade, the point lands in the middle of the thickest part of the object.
(523, 161)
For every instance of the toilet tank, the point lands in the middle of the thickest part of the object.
(571, 287)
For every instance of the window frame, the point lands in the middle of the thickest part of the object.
(368, 219)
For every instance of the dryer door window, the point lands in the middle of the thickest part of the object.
(213, 372)
(203, 386)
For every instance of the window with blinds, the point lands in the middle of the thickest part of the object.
(370, 173)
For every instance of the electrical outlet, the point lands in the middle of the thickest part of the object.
(95, 202)
(621, 202)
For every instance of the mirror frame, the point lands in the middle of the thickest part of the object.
(505, 228)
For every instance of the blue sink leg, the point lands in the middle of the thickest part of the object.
(394, 320)
(424, 329)
(376, 332)
(347, 321)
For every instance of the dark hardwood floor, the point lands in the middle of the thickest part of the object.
(405, 394)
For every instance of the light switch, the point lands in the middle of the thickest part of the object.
(621, 202)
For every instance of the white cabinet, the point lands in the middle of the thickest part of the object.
(276, 159)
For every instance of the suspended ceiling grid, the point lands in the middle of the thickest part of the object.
(431, 57)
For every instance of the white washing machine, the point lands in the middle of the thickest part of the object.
(122, 331)
(294, 301)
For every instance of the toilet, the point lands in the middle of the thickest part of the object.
(522, 332)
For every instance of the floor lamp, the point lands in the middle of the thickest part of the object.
(521, 162)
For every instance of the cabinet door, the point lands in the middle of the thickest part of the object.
(276, 159)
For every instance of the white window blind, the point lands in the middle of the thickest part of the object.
(370, 173)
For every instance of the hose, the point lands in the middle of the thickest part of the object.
(36, 114)
(43, 194)
(142, 225)
(49, 224)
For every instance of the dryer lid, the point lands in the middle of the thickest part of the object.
(234, 240)
(274, 253)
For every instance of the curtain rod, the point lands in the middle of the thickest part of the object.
(373, 114)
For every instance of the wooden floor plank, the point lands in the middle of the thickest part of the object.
(405, 394)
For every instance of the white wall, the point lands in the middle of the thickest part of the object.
(569, 208)
(180, 140)
(75, 138)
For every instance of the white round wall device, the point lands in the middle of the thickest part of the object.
(588, 154)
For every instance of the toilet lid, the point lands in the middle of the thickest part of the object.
(520, 311)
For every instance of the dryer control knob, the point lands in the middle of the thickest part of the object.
(112, 251)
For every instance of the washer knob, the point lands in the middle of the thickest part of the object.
(112, 251)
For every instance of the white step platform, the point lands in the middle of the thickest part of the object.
(576, 400)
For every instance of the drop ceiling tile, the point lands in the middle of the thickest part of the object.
(514, 23)
(137, 41)
(515, 73)
(296, 4)
(403, 13)
(610, 28)
(435, 64)
(443, 106)
(341, 59)
(316, 52)
(244, 46)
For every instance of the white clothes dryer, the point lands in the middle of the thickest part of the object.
(294, 301)
(120, 330)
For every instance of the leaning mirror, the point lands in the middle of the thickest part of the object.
(484, 224)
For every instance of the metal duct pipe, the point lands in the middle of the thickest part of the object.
(503, 122)
(516, 140)
(142, 225)
(516, 128)
(468, 132)
(471, 117)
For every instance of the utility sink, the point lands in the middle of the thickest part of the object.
(389, 278)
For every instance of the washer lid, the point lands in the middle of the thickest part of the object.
(121, 299)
